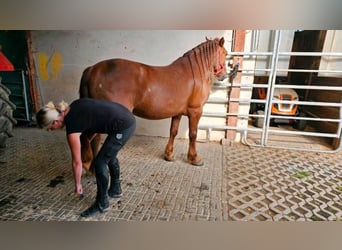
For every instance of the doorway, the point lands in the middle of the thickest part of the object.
(15, 45)
(295, 106)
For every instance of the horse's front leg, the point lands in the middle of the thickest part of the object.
(169, 154)
(194, 117)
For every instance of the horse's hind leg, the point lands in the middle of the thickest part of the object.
(169, 154)
(193, 158)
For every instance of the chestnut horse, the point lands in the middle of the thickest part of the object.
(158, 92)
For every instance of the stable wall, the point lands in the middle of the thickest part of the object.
(61, 57)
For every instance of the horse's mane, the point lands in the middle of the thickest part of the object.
(209, 43)
(204, 54)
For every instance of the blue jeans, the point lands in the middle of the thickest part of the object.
(107, 156)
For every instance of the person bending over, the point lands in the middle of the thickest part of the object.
(91, 116)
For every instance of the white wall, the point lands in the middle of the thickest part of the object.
(266, 43)
(61, 57)
(332, 44)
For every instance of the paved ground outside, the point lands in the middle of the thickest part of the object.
(237, 182)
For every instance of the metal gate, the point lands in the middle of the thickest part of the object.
(265, 135)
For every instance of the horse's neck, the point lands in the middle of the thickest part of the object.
(181, 64)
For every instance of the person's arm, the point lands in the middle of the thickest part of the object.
(75, 147)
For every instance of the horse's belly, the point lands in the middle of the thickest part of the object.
(158, 112)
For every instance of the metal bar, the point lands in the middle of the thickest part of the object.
(283, 86)
(310, 70)
(248, 85)
(282, 53)
(305, 118)
(255, 70)
(271, 131)
(243, 116)
(339, 129)
(225, 127)
(245, 131)
(255, 40)
(293, 70)
(271, 82)
(236, 53)
(312, 87)
(326, 104)
(317, 134)
(238, 85)
(242, 101)
(25, 96)
(246, 116)
(247, 101)
(332, 54)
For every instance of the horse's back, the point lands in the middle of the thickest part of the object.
(117, 80)
(151, 92)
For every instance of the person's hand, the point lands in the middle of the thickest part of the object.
(79, 190)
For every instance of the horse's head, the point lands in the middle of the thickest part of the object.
(220, 70)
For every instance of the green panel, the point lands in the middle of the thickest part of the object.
(13, 44)
(14, 82)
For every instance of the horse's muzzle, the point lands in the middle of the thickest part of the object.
(222, 77)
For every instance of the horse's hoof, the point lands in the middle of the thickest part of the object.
(198, 163)
(167, 158)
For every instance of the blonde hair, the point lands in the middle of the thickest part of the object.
(49, 113)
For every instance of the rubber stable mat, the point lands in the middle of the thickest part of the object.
(271, 184)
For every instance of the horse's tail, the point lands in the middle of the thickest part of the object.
(84, 91)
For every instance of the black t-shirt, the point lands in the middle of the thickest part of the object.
(96, 116)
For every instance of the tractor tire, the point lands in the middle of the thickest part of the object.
(6, 116)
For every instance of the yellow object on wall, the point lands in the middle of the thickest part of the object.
(42, 65)
(56, 64)
(49, 65)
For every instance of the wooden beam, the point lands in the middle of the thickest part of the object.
(233, 107)
(305, 41)
(32, 74)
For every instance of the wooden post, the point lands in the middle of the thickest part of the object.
(32, 74)
(233, 107)
(305, 41)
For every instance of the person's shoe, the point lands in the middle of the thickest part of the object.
(94, 209)
(115, 189)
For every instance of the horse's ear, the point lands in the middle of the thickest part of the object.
(206, 38)
(221, 41)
